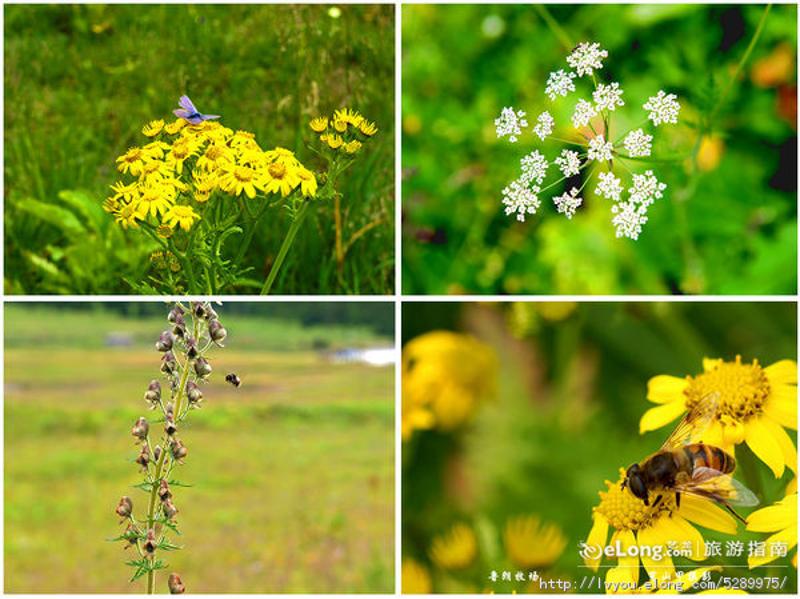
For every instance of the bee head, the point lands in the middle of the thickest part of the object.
(634, 480)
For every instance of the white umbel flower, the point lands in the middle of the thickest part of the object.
(534, 168)
(520, 199)
(568, 203)
(646, 189)
(600, 149)
(511, 123)
(608, 97)
(638, 143)
(584, 111)
(609, 186)
(569, 162)
(586, 57)
(664, 108)
(559, 83)
(544, 125)
(628, 219)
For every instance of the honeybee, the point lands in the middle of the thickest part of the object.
(233, 379)
(685, 464)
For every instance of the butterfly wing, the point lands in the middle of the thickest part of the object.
(187, 105)
(209, 117)
(181, 113)
(712, 484)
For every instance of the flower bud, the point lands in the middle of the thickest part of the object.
(140, 429)
(175, 584)
(124, 507)
(131, 535)
(175, 315)
(199, 309)
(169, 409)
(217, 331)
(169, 509)
(178, 450)
(144, 457)
(191, 348)
(211, 314)
(169, 426)
(150, 542)
(157, 453)
(153, 393)
(163, 490)
(168, 363)
(202, 367)
(179, 329)
(193, 393)
(164, 342)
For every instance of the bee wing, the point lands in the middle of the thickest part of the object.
(712, 484)
(694, 423)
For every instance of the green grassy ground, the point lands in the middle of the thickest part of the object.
(80, 81)
(292, 473)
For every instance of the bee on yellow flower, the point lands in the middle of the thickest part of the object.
(153, 128)
(184, 216)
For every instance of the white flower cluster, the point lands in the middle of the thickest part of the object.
(629, 212)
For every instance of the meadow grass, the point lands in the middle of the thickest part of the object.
(81, 80)
(292, 473)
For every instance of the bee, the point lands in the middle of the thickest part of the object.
(233, 379)
(684, 464)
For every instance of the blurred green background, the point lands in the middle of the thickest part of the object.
(81, 80)
(572, 386)
(727, 222)
(292, 473)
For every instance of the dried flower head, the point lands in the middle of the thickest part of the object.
(176, 586)
(140, 429)
(124, 507)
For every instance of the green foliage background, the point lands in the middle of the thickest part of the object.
(292, 473)
(728, 230)
(81, 80)
(566, 418)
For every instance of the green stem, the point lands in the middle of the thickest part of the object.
(248, 236)
(287, 243)
(557, 30)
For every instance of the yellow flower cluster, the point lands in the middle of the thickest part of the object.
(185, 164)
(345, 130)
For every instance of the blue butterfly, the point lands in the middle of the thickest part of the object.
(190, 113)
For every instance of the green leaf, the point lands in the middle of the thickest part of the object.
(87, 206)
(57, 216)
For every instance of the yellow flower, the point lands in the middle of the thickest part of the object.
(175, 126)
(319, 124)
(755, 404)
(155, 170)
(236, 179)
(334, 141)
(152, 200)
(156, 149)
(279, 178)
(780, 518)
(352, 147)
(283, 156)
(308, 182)
(367, 128)
(455, 549)
(415, 579)
(215, 156)
(132, 161)
(531, 544)
(651, 529)
(124, 192)
(181, 150)
(126, 216)
(153, 128)
(445, 377)
(351, 117)
(340, 125)
(185, 216)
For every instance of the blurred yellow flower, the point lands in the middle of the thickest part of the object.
(334, 141)
(352, 147)
(445, 377)
(455, 549)
(153, 128)
(175, 126)
(755, 404)
(367, 128)
(654, 527)
(319, 124)
(185, 216)
(415, 579)
(780, 518)
(531, 544)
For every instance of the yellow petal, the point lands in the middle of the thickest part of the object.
(707, 514)
(711, 363)
(665, 388)
(626, 540)
(597, 538)
(621, 580)
(782, 405)
(784, 442)
(788, 536)
(683, 531)
(784, 371)
(660, 415)
(774, 517)
(733, 433)
(653, 537)
(762, 443)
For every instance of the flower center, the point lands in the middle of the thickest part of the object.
(626, 512)
(213, 152)
(133, 155)
(244, 174)
(180, 151)
(743, 389)
(277, 170)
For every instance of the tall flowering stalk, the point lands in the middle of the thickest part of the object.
(193, 332)
(596, 149)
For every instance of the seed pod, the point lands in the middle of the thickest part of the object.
(178, 449)
(199, 309)
(169, 509)
(124, 507)
(191, 348)
(217, 331)
(169, 426)
(202, 367)
(150, 542)
(153, 393)
(168, 363)
(157, 453)
(175, 584)
(144, 457)
(140, 429)
(163, 490)
(175, 315)
(193, 393)
(164, 342)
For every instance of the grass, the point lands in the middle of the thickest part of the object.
(292, 473)
(81, 80)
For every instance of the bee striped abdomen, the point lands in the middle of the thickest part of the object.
(707, 456)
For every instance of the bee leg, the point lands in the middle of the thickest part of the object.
(677, 499)
(733, 511)
(658, 500)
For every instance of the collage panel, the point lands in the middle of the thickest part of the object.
(599, 447)
(199, 149)
(599, 149)
(243, 447)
